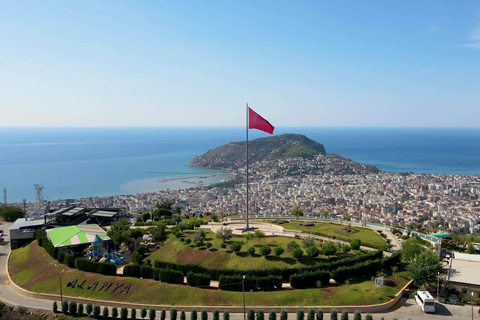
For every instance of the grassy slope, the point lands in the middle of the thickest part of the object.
(368, 237)
(219, 258)
(43, 277)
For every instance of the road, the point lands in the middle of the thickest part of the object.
(405, 309)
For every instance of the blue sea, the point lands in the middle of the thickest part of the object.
(83, 162)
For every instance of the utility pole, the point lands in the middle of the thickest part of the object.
(243, 290)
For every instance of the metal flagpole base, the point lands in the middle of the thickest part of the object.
(248, 229)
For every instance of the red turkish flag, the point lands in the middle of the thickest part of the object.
(255, 121)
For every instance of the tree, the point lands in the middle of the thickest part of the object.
(124, 313)
(158, 233)
(329, 249)
(204, 315)
(424, 268)
(119, 232)
(193, 314)
(182, 226)
(308, 241)
(80, 309)
(265, 250)
(297, 253)
(143, 312)
(410, 249)
(173, 313)
(114, 312)
(55, 307)
(470, 249)
(89, 309)
(214, 217)
(249, 236)
(224, 234)
(251, 251)
(272, 315)
(300, 314)
(333, 314)
(292, 245)
(145, 216)
(278, 251)
(133, 314)
(297, 212)
(236, 246)
(344, 315)
(105, 313)
(284, 315)
(96, 312)
(10, 214)
(200, 235)
(152, 314)
(355, 244)
(177, 218)
(313, 252)
(216, 314)
(259, 234)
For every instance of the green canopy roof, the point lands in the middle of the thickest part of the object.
(75, 235)
(443, 235)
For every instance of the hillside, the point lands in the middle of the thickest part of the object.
(233, 154)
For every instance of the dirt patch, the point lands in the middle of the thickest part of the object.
(193, 256)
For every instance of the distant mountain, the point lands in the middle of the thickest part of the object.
(233, 154)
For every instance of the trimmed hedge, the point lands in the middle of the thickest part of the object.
(105, 268)
(393, 260)
(285, 273)
(309, 279)
(48, 246)
(171, 276)
(360, 270)
(198, 279)
(234, 283)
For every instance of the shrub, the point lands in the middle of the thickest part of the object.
(329, 249)
(292, 245)
(124, 313)
(226, 315)
(143, 312)
(105, 313)
(260, 315)
(105, 268)
(236, 246)
(319, 314)
(61, 257)
(265, 250)
(96, 312)
(89, 309)
(333, 314)
(284, 315)
(193, 314)
(80, 309)
(216, 314)
(311, 314)
(208, 245)
(173, 314)
(357, 315)
(114, 312)
(223, 245)
(272, 315)
(171, 276)
(368, 317)
(72, 308)
(133, 314)
(251, 314)
(132, 270)
(198, 279)
(65, 306)
(152, 314)
(355, 244)
(313, 252)
(188, 241)
(251, 251)
(300, 314)
(297, 253)
(203, 315)
(344, 315)
(309, 279)
(308, 242)
(55, 307)
(146, 272)
(278, 251)
(163, 314)
(234, 283)
(198, 243)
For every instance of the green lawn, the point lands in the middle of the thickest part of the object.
(44, 278)
(340, 231)
(216, 257)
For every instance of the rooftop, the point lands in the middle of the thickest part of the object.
(75, 235)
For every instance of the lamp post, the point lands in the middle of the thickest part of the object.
(438, 285)
(243, 290)
(471, 302)
(25, 207)
(61, 291)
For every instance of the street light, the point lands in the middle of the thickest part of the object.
(24, 207)
(243, 290)
(438, 285)
(471, 302)
(61, 291)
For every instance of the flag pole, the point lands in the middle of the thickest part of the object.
(247, 227)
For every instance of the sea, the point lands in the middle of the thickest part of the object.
(73, 163)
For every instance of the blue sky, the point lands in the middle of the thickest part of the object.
(196, 63)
